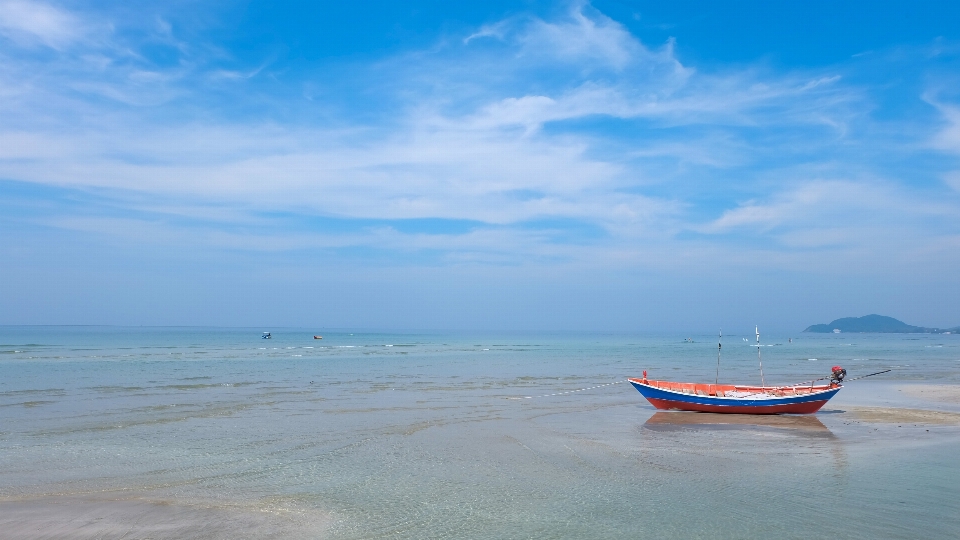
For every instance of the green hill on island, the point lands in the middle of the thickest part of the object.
(876, 323)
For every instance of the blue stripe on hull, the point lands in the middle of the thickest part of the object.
(666, 395)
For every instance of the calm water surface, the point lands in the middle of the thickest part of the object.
(421, 436)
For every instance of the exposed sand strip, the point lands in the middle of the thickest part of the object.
(891, 415)
(71, 517)
(947, 393)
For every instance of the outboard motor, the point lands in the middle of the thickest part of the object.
(837, 375)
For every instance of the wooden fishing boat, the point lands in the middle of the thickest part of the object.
(728, 398)
(804, 398)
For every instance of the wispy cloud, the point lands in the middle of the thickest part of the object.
(526, 126)
(583, 39)
(948, 138)
(31, 24)
(814, 201)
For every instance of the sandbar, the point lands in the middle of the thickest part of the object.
(897, 415)
(74, 517)
(946, 393)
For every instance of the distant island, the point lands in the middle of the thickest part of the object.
(876, 323)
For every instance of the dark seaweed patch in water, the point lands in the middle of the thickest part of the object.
(113, 389)
(55, 391)
(36, 403)
(191, 386)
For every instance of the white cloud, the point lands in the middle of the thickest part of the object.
(440, 174)
(463, 144)
(868, 214)
(809, 201)
(497, 30)
(952, 179)
(581, 39)
(30, 23)
(948, 138)
(584, 38)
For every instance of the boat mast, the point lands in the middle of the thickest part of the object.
(762, 383)
(719, 339)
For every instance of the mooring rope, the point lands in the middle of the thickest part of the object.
(567, 392)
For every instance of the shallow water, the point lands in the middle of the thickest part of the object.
(419, 436)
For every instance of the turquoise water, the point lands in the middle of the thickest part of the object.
(364, 435)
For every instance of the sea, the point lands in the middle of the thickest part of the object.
(117, 432)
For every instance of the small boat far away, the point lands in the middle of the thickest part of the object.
(266, 335)
(317, 337)
(803, 398)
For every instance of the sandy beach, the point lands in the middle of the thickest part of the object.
(102, 517)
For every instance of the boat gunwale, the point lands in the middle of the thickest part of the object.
(760, 394)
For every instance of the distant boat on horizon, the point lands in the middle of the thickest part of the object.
(266, 335)
(317, 337)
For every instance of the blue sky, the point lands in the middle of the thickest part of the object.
(497, 165)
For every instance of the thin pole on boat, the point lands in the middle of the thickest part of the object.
(719, 339)
(870, 375)
(763, 384)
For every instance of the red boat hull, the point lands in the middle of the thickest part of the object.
(808, 407)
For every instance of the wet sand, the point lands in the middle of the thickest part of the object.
(895, 415)
(944, 393)
(73, 517)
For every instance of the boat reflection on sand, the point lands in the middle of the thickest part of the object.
(801, 425)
